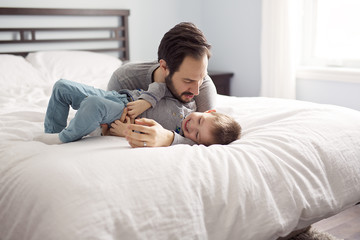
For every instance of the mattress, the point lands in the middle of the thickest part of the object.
(296, 163)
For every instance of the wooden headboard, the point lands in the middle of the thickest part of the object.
(30, 35)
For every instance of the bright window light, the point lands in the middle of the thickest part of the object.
(338, 30)
(332, 33)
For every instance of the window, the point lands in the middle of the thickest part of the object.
(331, 34)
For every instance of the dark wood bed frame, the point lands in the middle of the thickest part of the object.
(118, 34)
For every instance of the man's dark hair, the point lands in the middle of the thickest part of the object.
(185, 39)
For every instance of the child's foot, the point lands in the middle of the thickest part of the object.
(49, 138)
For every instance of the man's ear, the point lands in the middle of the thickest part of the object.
(164, 68)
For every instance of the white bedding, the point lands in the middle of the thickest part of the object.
(297, 162)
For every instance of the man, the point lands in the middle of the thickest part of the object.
(182, 64)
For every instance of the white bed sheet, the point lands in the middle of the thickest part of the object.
(296, 163)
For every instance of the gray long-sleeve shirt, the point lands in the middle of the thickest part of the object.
(140, 75)
(165, 109)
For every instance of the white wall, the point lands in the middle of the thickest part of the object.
(232, 27)
(148, 21)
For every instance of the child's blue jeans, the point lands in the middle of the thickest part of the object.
(94, 107)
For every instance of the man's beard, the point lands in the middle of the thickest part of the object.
(170, 85)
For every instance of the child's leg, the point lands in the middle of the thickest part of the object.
(66, 93)
(92, 112)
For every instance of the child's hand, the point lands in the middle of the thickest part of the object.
(119, 126)
(137, 107)
(104, 130)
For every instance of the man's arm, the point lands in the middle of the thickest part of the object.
(153, 134)
(147, 132)
(132, 76)
(207, 97)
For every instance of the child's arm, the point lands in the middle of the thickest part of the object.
(137, 107)
(178, 139)
(147, 99)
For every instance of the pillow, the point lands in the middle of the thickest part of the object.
(16, 72)
(91, 68)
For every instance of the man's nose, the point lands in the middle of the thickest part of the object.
(195, 88)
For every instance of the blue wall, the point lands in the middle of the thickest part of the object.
(233, 27)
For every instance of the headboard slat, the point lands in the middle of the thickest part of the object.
(29, 35)
(64, 12)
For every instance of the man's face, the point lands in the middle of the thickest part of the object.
(184, 84)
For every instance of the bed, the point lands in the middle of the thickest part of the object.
(296, 162)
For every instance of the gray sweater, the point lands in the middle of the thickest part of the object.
(165, 109)
(169, 110)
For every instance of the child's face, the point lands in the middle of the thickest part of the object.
(197, 127)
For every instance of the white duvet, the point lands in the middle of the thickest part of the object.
(296, 162)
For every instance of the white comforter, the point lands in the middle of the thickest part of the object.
(296, 163)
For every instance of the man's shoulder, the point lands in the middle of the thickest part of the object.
(136, 69)
(135, 65)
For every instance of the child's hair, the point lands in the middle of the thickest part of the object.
(225, 129)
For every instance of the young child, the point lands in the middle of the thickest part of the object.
(95, 107)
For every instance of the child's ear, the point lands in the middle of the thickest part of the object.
(210, 111)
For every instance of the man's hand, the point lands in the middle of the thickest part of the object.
(149, 132)
(137, 107)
